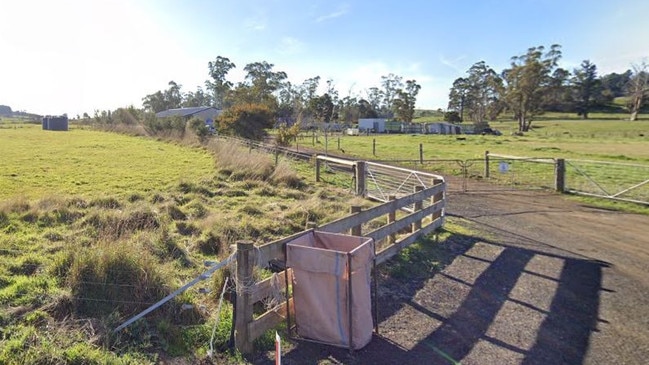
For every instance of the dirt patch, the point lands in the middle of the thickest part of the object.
(543, 281)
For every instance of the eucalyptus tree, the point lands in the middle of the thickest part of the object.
(457, 97)
(219, 85)
(390, 83)
(404, 102)
(485, 88)
(527, 82)
(262, 80)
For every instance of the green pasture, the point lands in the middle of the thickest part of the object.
(611, 140)
(38, 163)
(99, 226)
(622, 145)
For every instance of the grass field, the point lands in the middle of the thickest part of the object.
(621, 142)
(593, 139)
(38, 163)
(97, 226)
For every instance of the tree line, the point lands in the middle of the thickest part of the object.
(269, 89)
(534, 84)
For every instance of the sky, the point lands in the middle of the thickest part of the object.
(76, 56)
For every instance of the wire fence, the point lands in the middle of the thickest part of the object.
(611, 180)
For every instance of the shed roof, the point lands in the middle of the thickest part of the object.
(185, 112)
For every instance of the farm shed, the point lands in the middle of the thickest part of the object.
(206, 113)
(416, 128)
(443, 128)
(377, 125)
(55, 123)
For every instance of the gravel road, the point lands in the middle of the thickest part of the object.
(539, 280)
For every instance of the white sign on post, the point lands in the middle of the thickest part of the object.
(503, 167)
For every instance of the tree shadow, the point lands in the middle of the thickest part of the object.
(466, 333)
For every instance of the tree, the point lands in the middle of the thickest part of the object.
(638, 89)
(404, 102)
(163, 100)
(218, 70)
(154, 102)
(527, 81)
(365, 109)
(197, 98)
(391, 83)
(322, 108)
(457, 97)
(173, 96)
(483, 93)
(263, 81)
(559, 96)
(586, 86)
(246, 120)
(452, 117)
(374, 98)
(614, 85)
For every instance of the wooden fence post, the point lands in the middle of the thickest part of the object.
(560, 175)
(419, 204)
(359, 171)
(421, 153)
(356, 230)
(317, 168)
(486, 164)
(437, 198)
(245, 265)
(392, 216)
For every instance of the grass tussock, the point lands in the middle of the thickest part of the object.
(108, 271)
(284, 175)
(110, 225)
(16, 205)
(241, 164)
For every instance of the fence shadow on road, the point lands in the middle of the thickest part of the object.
(486, 303)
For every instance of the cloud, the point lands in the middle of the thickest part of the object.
(454, 63)
(290, 45)
(257, 23)
(342, 10)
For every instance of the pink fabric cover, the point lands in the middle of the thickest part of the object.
(321, 287)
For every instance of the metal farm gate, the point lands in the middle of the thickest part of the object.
(610, 180)
(492, 173)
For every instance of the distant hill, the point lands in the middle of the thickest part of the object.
(6, 111)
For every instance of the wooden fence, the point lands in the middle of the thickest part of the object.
(421, 221)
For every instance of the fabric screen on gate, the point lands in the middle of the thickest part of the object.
(321, 287)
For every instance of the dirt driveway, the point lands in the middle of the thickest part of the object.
(543, 281)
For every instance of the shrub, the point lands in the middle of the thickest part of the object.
(199, 127)
(246, 120)
(287, 135)
(170, 127)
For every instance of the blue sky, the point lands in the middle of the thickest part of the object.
(75, 56)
